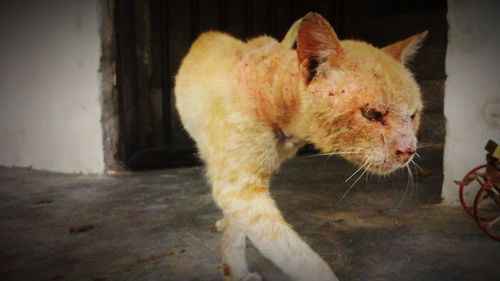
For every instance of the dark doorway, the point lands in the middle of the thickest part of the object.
(154, 35)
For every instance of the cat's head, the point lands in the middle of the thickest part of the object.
(358, 100)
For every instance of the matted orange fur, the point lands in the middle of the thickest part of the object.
(251, 105)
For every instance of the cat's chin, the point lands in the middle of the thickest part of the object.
(381, 169)
(377, 164)
(384, 169)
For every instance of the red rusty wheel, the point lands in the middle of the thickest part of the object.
(469, 186)
(487, 211)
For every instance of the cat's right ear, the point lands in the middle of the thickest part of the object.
(405, 50)
(318, 47)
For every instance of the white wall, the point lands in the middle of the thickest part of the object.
(472, 87)
(50, 86)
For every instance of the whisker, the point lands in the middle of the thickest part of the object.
(342, 153)
(416, 176)
(332, 153)
(359, 169)
(352, 185)
(409, 179)
(412, 181)
(427, 145)
(418, 166)
(366, 178)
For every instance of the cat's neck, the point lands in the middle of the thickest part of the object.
(270, 78)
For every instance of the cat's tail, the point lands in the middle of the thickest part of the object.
(291, 35)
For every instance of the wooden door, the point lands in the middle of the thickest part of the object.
(154, 35)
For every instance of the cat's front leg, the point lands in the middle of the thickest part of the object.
(234, 264)
(249, 210)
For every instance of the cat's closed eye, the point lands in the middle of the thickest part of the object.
(373, 114)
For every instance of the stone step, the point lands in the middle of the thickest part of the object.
(433, 95)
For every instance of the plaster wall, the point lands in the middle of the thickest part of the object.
(50, 107)
(472, 95)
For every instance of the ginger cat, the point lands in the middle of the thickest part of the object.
(251, 105)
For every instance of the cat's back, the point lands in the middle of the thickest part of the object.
(209, 58)
(208, 66)
(205, 81)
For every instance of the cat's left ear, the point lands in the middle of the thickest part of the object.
(318, 47)
(406, 49)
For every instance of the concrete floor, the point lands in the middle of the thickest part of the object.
(159, 225)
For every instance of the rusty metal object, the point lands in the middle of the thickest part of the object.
(486, 179)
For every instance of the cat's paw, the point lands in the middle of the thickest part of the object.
(252, 277)
(249, 276)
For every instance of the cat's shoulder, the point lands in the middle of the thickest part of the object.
(262, 40)
(216, 38)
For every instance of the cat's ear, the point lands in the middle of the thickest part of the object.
(318, 47)
(406, 49)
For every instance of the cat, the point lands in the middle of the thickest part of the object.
(249, 106)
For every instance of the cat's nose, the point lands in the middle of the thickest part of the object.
(403, 155)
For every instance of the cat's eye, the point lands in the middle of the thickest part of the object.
(372, 114)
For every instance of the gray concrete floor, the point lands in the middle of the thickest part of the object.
(159, 225)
